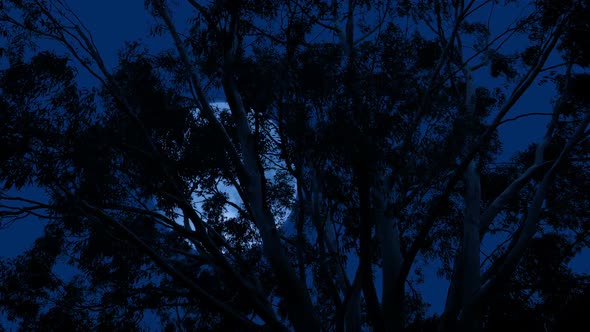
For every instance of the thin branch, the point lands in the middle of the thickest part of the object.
(177, 275)
(198, 93)
(523, 116)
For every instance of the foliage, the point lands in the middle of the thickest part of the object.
(347, 156)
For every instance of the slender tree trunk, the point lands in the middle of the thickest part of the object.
(363, 178)
(352, 317)
(299, 306)
(471, 272)
(392, 301)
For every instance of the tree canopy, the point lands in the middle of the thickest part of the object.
(358, 144)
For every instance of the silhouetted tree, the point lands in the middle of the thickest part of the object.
(359, 138)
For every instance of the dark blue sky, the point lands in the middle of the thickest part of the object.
(114, 22)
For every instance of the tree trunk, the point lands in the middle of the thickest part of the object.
(389, 236)
(299, 305)
(471, 271)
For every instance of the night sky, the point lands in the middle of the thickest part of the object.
(114, 22)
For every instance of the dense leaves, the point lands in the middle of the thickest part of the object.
(317, 196)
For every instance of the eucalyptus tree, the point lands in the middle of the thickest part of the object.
(371, 125)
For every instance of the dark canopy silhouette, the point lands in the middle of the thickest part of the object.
(358, 145)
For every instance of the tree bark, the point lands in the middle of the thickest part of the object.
(299, 305)
(363, 179)
(471, 272)
(391, 255)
